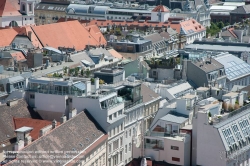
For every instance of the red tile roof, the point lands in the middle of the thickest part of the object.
(232, 32)
(115, 54)
(36, 124)
(25, 31)
(185, 24)
(96, 33)
(7, 36)
(65, 34)
(8, 8)
(192, 24)
(18, 56)
(160, 8)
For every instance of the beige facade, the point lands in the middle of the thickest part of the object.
(47, 17)
(97, 156)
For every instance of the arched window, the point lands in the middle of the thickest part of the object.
(23, 7)
(13, 24)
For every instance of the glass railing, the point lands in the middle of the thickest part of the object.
(44, 91)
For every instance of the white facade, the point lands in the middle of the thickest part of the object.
(174, 150)
(221, 141)
(198, 35)
(26, 16)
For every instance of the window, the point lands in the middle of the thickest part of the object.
(126, 134)
(130, 132)
(30, 7)
(174, 147)
(126, 148)
(175, 159)
(118, 129)
(245, 127)
(110, 148)
(115, 144)
(115, 115)
(32, 96)
(114, 131)
(228, 136)
(129, 147)
(236, 132)
(120, 112)
(121, 156)
(110, 117)
(121, 141)
(121, 127)
(133, 131)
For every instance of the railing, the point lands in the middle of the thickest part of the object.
(132, 104)
(55, 92)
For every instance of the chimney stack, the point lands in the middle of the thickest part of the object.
(72, 113)
(27, 140)
(19, 145)
(63, 119)
(96, 84)
(54, 124)
(45, 130)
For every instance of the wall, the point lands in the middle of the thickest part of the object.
(163, 74)
(6, 20)
(48, 16)
(97, 155)
(199, 78)
(207, 146)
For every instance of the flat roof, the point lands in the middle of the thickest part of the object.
(175, 117)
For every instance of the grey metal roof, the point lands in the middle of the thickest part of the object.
(217, 47)
(52, 49)
(235, 67)
(175, 117)
(49, 6)
(77, 9)
(100, 9)
(15, 79)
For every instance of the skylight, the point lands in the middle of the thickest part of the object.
(228, 136)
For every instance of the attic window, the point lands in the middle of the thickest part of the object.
(199, 26)
(193, 22)
(196, 28)
(96, 23)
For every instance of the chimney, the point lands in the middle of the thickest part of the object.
(72, 113)
(54, 124)
(29, 35)
(19, 145)
(27, 140)
(12, 102)
(88, 88)
(96, 84)
(63, 119)
(45, 130)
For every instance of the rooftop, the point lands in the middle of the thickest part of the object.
(175, 117)
(84, 133)
(234, 66)
(69, 34)
(208, 65)
(18, 110)
(148, 94)
(35, 124)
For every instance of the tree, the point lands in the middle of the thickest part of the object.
(88, 73)
(82, 72)
(209, 114)
(92, 80)
(220, 25)
(76, 71)
(101, 81)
